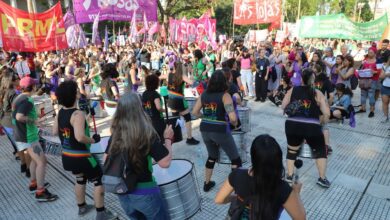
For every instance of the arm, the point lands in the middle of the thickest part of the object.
(197, 107)
(187, 80)
(157, 103)
(133, 78)
(349, 74)
(80, 85)
(224, 194)
(287, 99)
(294, 206)
(55, 126)
(168, 136)
(78, 122)
(320, 98)
(229, 108)
(115, 91)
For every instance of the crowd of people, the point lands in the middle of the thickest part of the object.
(311, 80)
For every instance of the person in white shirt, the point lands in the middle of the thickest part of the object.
(329, 60)
(21, 66)
(385, 90)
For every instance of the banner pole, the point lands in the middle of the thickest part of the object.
(113, 31)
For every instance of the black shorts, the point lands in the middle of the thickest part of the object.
(297, 132)
(88, 166)
(177, 104)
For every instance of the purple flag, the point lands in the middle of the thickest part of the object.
(86, 10)
(69, 19)
(105, 39)
(95, 30)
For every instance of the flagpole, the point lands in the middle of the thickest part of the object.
(233, 18)
(113, 31)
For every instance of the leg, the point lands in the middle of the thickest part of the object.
(320, 151)
(244, 81)
(371, 99)
(79, 188)
(292, 153)
(250, 83)
(226, 142)
(258, 87)
(38, 164)
(385, 105)
(337, 114)
(363, 97)
(213, 153)
(264, 87)
(187, 117)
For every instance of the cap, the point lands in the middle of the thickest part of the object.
(27, 81)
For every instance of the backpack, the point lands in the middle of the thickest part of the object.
(118, 177)
(354, 82)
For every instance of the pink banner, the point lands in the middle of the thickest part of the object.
(193, 30)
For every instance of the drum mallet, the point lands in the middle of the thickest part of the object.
(92, 109)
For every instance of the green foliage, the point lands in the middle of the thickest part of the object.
(366, 14)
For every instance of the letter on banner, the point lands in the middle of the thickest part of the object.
(256, 11)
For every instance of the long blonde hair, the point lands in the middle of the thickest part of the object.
(132, 131)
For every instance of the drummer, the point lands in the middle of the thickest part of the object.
(25, 118)
(139, 140)
(152, 104)
(70, 124)
(176, 101)
(215, 128)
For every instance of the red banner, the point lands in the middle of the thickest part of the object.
(257, 11)
(22, 31)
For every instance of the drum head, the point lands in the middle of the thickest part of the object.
(97, 98)
(240, 108)
(100, 147)
(177, 170)
(52, 139)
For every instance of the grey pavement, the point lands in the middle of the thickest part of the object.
(359, 170)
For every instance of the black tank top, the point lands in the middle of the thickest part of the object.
(308, 108)
(175, 95)
(70, 146)
(214, 114)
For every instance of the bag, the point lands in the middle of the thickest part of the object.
(118, 178)
(364, 83)
(237, 209)
(354, 81)
(273, 74)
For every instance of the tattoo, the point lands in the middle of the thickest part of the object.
(229, 108)
(37, 149)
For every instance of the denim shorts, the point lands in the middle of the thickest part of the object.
(149, 207)
(385, 90)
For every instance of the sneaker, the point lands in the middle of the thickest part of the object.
(323, 182)
(330, 150)
(28, 174)
(371, 115)
(208, 186)
(289, 179)
(385, 121)
(46, 196)
(33, 189)
(106, 215)
(257, 100)
(192, 141)
(85, 209)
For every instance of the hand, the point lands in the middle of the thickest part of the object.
(266, 77)
(297, 187)
(96, 138)
(168, 132)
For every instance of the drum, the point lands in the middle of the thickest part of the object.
(191, 103)
(98, 150)
(173, 120)
(50, 144)
(244, 116)
(40, 108)
(110, 107)
(305, 151)
(178, 189)
(99, 112)
(239, 139)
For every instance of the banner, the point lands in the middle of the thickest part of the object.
(38, 32)
(193, 30)
(117, 10)
(340, 27)
(257, 11)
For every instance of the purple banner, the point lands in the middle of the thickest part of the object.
(117, 10)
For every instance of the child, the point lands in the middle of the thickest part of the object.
(279, 94)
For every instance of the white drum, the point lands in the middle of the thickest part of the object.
(244, 116)
(40, 108)
(98, 150)
(110, 107)
(239, 139)
(50, 144)
(305, 151)
(178, 189)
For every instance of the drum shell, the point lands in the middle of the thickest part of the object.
(99, 112)
(178, 136)
(239, 139)
(305, 151)
(40, 107)
(181, 196)
(244, 116)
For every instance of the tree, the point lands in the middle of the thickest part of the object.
(366, 13)
(176, 8)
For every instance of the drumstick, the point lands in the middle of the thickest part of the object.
(93, 116)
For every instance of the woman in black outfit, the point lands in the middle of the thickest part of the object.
(218, 115)
(303, 105)
(152, 104)
(261, 189)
